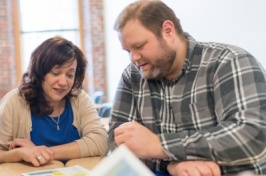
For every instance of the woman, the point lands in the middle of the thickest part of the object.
(49, 117)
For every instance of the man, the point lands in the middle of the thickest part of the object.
(186, 107)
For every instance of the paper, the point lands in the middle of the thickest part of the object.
(65, 171)
(122, 162)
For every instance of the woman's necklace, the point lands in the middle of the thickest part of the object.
(57, 122)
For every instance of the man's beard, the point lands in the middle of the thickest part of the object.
(162, 66)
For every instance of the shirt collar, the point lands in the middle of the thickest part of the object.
(190, 50)
(187, 62)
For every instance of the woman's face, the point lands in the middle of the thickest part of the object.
(59, 81)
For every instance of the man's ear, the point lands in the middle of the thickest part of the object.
(168, 28)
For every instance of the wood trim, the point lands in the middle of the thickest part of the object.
(81, 38)
(17, 41)
(80, 18)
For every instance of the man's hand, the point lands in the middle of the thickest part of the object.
(194, 168)
(140, 140)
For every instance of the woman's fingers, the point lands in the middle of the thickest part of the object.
(38, 155)
(20, 142)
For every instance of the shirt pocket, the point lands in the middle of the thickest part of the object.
(195, 116)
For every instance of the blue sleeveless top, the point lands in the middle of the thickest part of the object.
(44, 129)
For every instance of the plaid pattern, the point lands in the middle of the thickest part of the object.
(214, 110)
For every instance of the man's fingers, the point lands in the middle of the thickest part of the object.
(194, 168)
(214, 168)
(122, 128)
(204, 169)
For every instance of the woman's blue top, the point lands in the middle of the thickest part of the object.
(44, 129)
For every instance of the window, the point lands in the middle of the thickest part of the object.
(42, 19)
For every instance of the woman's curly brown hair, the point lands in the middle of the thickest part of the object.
(52, 52)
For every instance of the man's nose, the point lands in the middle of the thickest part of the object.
(134, 57)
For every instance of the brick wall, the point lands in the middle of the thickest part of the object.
(94, 49)
(94, 46)
(7, 48)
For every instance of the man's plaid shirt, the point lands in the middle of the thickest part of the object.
(214, 110)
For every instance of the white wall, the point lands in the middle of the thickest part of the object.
(237, 22)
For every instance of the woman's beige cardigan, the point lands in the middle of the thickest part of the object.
(15, 122)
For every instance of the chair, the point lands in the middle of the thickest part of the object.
(105, 110)
(98, 95)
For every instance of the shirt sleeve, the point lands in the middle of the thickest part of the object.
(123, 109)
(239, 137)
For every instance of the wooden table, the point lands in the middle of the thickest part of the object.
(105, 121)
(16, 169)
(88, 163)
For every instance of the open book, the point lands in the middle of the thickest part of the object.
(122, 162)
(65, 171)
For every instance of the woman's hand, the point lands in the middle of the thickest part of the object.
(194, 168)
(26, 150)
(19, 142)
(37, 155)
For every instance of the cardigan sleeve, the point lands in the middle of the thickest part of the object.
(14, 118)
(93, 141)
